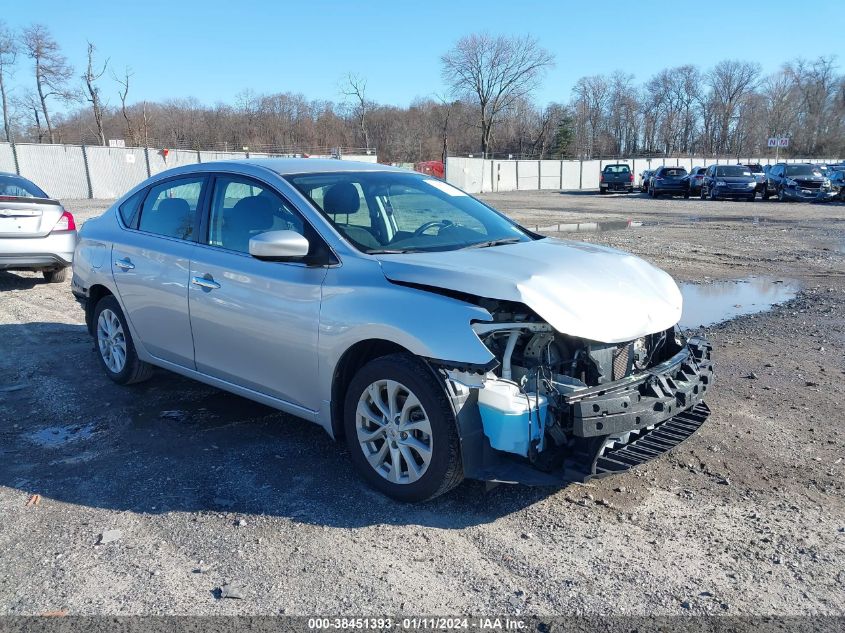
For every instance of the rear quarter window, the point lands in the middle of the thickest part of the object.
(129, 209)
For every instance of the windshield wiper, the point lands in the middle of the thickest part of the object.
(389, 251)
(499, 242)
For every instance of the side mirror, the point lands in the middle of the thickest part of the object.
(279, 246)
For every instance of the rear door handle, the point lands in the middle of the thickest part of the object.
(205, 282)
(124, 264)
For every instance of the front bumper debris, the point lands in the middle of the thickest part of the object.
(643, 400)
(618, 425)
(809, 195)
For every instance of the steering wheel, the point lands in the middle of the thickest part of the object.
(433, 223)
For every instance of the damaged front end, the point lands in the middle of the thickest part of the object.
(559, 409)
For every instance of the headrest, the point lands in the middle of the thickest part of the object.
(254, 213)
(341, 198)
(176, 206)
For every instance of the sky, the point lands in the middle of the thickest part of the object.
(213, 50)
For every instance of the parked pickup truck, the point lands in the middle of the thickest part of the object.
(616, 178)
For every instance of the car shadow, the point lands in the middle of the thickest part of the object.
(175, 445)
(12, 281)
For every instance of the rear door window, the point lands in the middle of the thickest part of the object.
(170, 209)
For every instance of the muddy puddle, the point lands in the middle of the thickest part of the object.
(58, 436)
(706, 304)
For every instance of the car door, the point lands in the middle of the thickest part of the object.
(151, 264)
(254, 322)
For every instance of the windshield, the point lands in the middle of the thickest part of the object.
(803, 170)
(675, 172)
(617, 169)
(397, 212)
(733, 170)
(17, 187)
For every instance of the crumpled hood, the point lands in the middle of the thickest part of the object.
(580, 289)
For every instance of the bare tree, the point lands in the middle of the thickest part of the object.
(52, 71)
(90, 77)
(123, 82)
(496, 71)
(730, 82)
(8, 54)
(355, 87)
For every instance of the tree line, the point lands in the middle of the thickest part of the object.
(487, 108)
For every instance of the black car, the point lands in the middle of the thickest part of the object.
(759, 173)
(695, 178)
(797, 181)
(728, 181)
(669, 181)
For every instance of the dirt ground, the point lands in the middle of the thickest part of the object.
(207, 489)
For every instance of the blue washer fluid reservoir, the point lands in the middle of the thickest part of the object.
(507, 414)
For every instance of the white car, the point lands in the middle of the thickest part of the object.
(36, 232)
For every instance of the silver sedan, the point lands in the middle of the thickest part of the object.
(434, 334)
(36, 232)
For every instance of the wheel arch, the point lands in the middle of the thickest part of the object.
(352, 360)
(95, 293)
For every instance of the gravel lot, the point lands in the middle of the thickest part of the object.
(207, 489)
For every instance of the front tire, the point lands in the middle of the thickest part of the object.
(55, 276)
(401, 430)
(115, 349)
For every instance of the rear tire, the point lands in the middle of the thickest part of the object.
(114, 345)
(384, 387)
(55, 276)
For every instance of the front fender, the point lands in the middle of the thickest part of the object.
(427, 324)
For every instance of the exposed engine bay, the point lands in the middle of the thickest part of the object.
(555, 396)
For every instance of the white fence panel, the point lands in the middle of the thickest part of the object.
(487, 175)
(686, 163)
(114, 171)
(571, 174)
(527, 174)
(7, 158)
(57, 169)
(505, 172)
(590, 176)
(466, 173)
(550, 174)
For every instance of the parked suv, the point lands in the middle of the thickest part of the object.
(438, 337)
(728, 181)
(669, 181)
(797, 181)
(616, 178)
(36, 232)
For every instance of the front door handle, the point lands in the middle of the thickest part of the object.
(205, 282)
(124, 264)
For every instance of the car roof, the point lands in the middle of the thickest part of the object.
(286, 166)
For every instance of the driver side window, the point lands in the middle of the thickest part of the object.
(242, 209)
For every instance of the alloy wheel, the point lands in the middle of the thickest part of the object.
(394, 431)
(111, 341)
